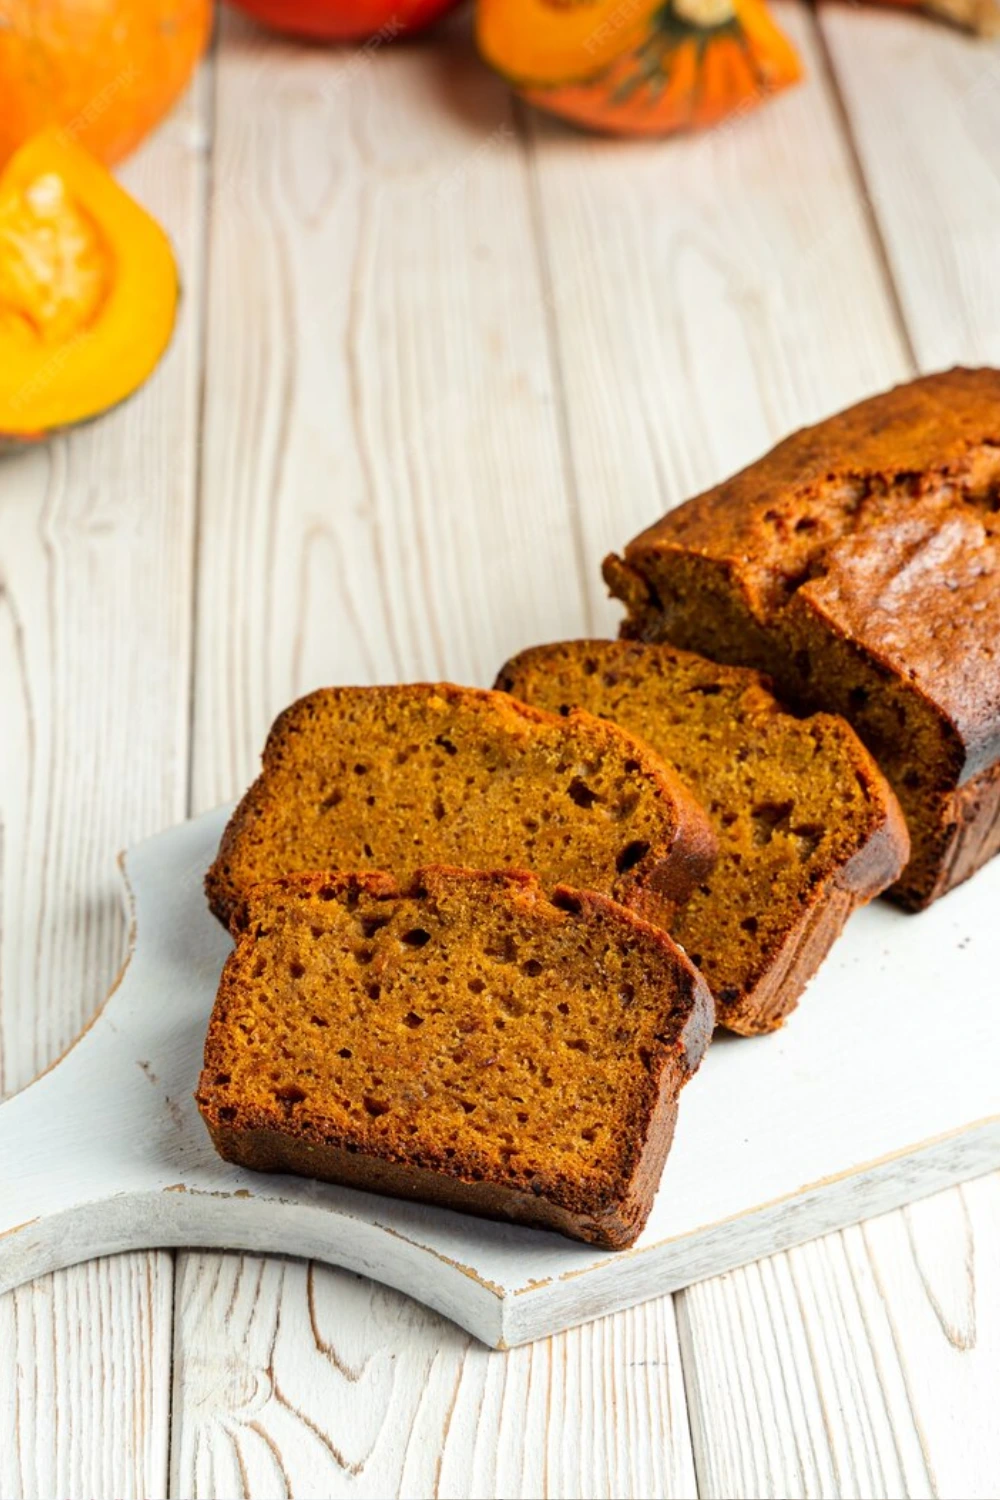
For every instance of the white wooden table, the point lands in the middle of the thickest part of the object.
(436, 356)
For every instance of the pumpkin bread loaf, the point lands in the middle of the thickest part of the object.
(390, 778)
(462, 1039)
(808, 827)
(859, 564)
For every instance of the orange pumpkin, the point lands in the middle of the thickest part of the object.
(88, 290)
(346, 20)
(106, 71)
(637, 67)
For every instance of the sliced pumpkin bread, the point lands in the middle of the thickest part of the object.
(463, 1038)
(859, 564)
(808, 827)
(390, 778)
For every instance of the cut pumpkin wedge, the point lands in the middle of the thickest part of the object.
(88, 290)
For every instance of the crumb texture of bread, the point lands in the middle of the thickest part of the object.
(467, 1040)
(808, 828)
(393, 778)
(859, 564)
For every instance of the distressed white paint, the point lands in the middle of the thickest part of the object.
(320, 1383)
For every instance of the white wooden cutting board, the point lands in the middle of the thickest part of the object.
(883, 1087)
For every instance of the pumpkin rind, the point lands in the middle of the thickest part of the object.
(346, 20)
(105, 71)
(88, 305)
(672, 66)
(545, 43)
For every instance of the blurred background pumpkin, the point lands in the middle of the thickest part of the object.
(639, 68)
(106, 71)
(346, 20)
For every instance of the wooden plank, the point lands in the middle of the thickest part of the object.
(862, 1364)
(937, 1270)
(923, 103)
(95, 607)
(384, 491)
(316, 1382)
(710, 294)
(384, 498)
(85, 1395)
(787, 1348)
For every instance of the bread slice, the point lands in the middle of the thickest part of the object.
(859, 564)
(390, 778)
(463, 1039)
(808, 827)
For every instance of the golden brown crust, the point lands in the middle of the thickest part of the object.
(723, 730)
(665, 867)
(972, 834)
(807, 943)
(274, 1127)
(925, 426)
(264, 1148)
(859, 562)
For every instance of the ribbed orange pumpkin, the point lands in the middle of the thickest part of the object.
(106, 71)
(637, 67)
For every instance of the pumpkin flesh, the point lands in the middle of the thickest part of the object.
(88, 290)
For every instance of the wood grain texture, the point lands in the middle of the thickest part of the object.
(383, 399)
(85, 1388)
(384, 495)
(709, 295)
(95, 605)
(318, 1383)
(924, 109)
(859, 1365)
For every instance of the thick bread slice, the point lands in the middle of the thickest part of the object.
(808, 827)
(859, 564)
(390, 778)
(465, 1040)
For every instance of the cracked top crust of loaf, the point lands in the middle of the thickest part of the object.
(389, 778)
(883, 524)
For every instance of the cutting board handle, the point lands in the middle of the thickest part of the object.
(65, 1139)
